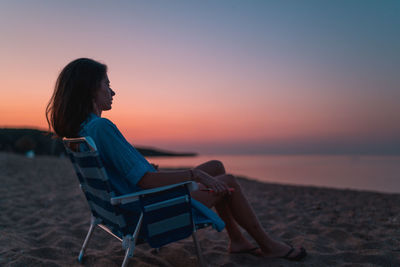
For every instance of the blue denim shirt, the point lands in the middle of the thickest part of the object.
(124, 165)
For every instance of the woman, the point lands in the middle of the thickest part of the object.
(82, 92)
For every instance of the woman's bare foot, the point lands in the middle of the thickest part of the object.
(283, 250)
(244, 246)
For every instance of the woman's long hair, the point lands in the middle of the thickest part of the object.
(72, 99)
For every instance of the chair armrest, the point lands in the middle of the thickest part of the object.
(192, 186)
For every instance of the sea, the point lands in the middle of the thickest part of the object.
(364, 172)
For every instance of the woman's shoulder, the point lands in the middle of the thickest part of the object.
(96, 121)
(95, 125)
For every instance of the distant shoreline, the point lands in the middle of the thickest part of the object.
(21, 140)
(153, 152)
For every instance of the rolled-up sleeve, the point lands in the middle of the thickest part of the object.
(117, 154)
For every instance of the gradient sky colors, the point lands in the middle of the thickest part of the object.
(217, 76)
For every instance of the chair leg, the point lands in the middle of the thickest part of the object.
(198, 250)
(129, 242)
(126, 258)
(85, 243)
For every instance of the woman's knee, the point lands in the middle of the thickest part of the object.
(219, 166)
(212, 167)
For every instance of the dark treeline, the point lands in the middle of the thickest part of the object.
(42, 143)
(23, 140)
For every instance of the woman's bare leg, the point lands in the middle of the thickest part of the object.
(235, 209)
(237, 240)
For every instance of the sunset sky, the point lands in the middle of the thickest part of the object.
(217, 76)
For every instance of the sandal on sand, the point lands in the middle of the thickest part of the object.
(253, 251)
(298, 257)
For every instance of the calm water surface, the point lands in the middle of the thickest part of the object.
(374, 173)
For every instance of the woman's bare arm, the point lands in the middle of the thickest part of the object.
(162, 178)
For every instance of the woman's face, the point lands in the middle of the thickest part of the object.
(103, 99)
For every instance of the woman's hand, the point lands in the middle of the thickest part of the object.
(216, 185)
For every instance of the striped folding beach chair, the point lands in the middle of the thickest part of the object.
(157, 216)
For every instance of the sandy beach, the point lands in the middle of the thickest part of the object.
(44, 219)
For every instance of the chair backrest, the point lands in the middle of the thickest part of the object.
(94, 183)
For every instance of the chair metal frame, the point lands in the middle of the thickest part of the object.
(129, 241)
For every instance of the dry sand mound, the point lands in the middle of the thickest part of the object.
(44, 219)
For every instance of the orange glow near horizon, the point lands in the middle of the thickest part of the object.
(189, 117)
